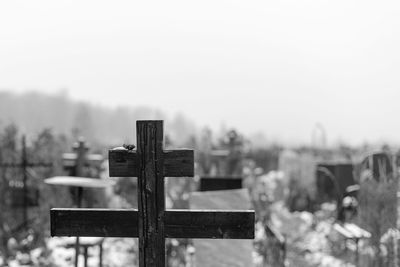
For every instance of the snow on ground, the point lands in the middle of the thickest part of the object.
(307, 239)
(117, 252)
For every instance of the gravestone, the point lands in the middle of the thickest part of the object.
(332, 179)
(379, 166)
(80, 163)
(222, 253)
(208, 183)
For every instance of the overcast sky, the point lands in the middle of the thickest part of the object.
(269, 66)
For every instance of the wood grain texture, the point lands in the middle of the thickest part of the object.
(178, 223)
(210, 224)
(94, 222)
(123, 163)
(151, 199)
(177, 163)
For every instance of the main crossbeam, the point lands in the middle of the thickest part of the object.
(177, 163)
(178, 223)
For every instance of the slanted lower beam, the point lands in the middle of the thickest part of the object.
(177, 163)
(178, 223)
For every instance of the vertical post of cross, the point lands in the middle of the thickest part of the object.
(81, 150)
(151, 193)
(24, 165)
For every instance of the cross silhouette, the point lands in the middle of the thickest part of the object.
(151, 222)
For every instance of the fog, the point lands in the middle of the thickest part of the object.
(276, 67)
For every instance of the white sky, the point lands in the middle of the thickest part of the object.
(272, 66)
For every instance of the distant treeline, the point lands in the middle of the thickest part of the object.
(32, 112)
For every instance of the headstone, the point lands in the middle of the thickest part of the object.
(332, 179)
(220, 183)
(378, 166)
(222, 253)
(325, 181)
(344, 176)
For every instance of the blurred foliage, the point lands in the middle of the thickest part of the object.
(34, 111)
(377, 211)
(43, 148)
(391, 249)
(266, 158)
(221, 157)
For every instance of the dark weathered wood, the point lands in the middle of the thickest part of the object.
(94, 222)
(151, 199)
(178, 223)
(123, 163)
(177, 163)
(151, 223)
(209, 224)
(220, 183)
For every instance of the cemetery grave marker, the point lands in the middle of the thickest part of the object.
(381, 166)
(222, 253)
(232, 253)
(30, 196)
(80, 183)
(208, 183)
(151, 222)
(77, 164)
(333, 179)
(227, 160)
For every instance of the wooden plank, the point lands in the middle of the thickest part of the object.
(220, 183)
(178, 223)
(177, 163)
(94, 222)
(151, 199)
(210, 224)
(123, 163)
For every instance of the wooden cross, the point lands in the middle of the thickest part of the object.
(151, 222)
(76, 162)
(24, 165)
